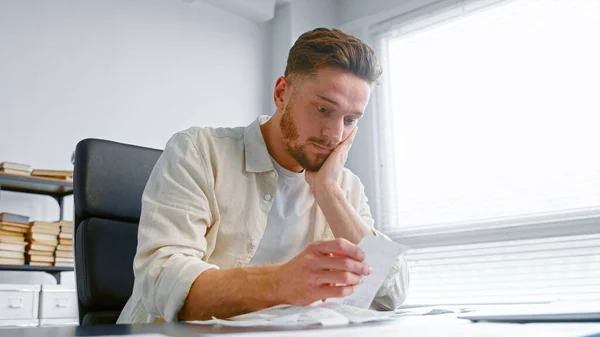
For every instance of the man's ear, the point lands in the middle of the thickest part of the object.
(282, 87)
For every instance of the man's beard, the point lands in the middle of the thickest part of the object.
(290, 136)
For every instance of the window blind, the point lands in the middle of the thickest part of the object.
(523, 271)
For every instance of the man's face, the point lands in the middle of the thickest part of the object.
(320, 113)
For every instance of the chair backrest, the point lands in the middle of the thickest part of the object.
(109, 179)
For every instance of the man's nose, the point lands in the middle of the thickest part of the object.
(334, 131)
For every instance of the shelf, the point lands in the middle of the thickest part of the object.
(34, 268)
(35, 185)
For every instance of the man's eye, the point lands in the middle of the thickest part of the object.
(350, 121)
(322, 109)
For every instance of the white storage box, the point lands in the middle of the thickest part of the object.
(26, 277)
(58, 302)
(18, 304)
(14, 323)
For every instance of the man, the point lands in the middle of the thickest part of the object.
(236, 220)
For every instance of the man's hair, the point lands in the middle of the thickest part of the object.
(324, 47)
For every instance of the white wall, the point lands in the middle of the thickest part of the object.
(131, 71)
(292, 20)
(281, 42)
(351, 10)
(310, 14)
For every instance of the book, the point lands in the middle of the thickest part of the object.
(39, 246)
(15, 218)
(15, 166)
(10, 254)
(14, 229)
(14, 247)
(67, 179)
(40, 252)
(45, 242)
(64, 264)
(45, 230)
(63, 253)
(64, 235)
(40, 264)
(45, 224)
(10, 233)
(16, 172)
(14, 224)
(64, 259)
(42, 237)
(67, 242)
(64, 247)
(40, 258)
(12, 261)
(52, 173)
(66, 226)
(12, 239)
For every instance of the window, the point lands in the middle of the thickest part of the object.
(490, 121)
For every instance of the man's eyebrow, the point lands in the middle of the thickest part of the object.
(327, 99)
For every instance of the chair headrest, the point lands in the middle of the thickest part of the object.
(109, 179)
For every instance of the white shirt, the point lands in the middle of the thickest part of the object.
(284, 238)
(206, 205)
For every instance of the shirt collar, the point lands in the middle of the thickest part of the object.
(257, 155)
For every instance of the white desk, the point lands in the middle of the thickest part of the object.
(409, 326)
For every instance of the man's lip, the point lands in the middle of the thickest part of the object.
(322, 148)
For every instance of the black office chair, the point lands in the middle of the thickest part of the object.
(109, 179)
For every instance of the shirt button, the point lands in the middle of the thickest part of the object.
(254, 243)
(273, 174)
(268, 197)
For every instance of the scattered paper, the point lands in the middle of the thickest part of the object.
(136, 335)
(381, 255)
(318, 313)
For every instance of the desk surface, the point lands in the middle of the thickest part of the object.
(429, 326)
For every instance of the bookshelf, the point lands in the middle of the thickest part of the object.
(55, 188)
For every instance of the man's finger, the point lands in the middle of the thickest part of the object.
(343, 263)
(344, 146)
(334, 277)
(346, 143)
(340, 247)
(330, 292)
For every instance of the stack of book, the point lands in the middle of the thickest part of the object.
(43, 239)
(12, 238)
(14, 168)
(53, 174)
(64, 250)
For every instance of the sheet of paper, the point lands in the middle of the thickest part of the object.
(381, 255)
(319, 313)
(136, 335)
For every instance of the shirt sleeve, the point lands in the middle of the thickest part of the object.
(395, 288)
(175, 217)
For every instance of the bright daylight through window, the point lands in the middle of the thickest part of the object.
(495, 116)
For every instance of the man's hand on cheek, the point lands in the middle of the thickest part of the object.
(329, 172)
